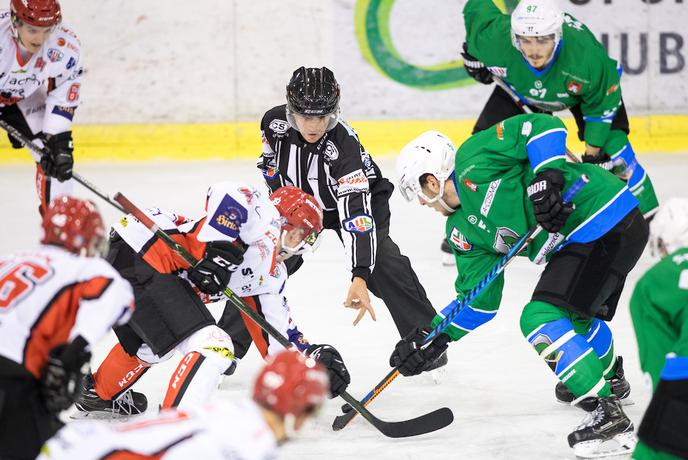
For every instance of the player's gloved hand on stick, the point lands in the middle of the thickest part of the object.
(410, 358)
(602, 159)
(62, 375)
(58, 161)
(212, 273)
(474, 68)
(329, 357)
(545, 193)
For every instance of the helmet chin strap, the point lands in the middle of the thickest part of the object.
(445, 205)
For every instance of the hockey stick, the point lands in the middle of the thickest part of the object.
(526, 109)
(29, 144)
(420, 425)
(342, 420)
(427, 423)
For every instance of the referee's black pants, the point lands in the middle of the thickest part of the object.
(392, 280)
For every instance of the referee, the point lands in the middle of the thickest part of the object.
(306, 144)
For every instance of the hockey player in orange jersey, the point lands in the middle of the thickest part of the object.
(240, 242)
(55, 302)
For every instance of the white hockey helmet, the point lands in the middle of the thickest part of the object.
(536, 18)
(430, 153)
(669, 227)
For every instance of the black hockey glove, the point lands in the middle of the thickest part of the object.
(212, 273)
(474, 68)
(603, 160)
(57, 160)
(411, 359)
(545, 193)
(63, 374)
(328, 356)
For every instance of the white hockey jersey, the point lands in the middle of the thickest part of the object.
(47, 85)
(221, 431)
(233, 211)
(50, 296)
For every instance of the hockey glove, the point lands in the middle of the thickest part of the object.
(329, 357)
(604, 161)
(63, 374)
(474, 68)
(411, 359)
(57, 160)
(212, 273)
(545, 193)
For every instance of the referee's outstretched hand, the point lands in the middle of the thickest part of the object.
(358, 299)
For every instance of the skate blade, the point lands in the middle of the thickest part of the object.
(107, 416)
(619, 447)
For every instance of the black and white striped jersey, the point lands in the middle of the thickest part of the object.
(336, 170)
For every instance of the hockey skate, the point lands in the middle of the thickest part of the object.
(90, 405)
(618, 383)
(447, 254)
(605, 432)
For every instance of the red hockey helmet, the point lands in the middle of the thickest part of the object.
(298, 210)
(75, 225)
(39, 13)
(291, 384)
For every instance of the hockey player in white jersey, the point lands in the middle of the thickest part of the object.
(55, 302)
(240, 242)
(40, 82)
(288, 391)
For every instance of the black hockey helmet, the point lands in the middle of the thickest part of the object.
(313, 91)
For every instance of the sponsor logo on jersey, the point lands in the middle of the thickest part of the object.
(331, 152)
(71, 63)
(353, 182)
(612, 88)
(61, 41)
(55, 55)
(229, 217)
(459, 241)
(505, 239)
(249, 194)
(562, 95)
(573, 87)
(358, 224)
(472, 219)
(473, 187)
(489, 197)
(279, 127)
(500, 131)
(40, 63)
(497, 71)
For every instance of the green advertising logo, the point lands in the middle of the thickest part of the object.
(375, 40)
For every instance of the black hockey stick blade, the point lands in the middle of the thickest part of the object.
(427, 423)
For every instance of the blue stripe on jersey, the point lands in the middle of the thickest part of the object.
(607, 119)
(546, 147)
(468, 317)
(604, 219)
(675, 368)
(568, 352)
(599, 337)
(628, 156)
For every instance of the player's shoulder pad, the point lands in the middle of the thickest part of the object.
(62, 51)
(274, 122)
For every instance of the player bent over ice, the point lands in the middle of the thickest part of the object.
(288, 391)
(240, 242)
(500, 183)
(42, 67)
(55, 302)
(659, 309)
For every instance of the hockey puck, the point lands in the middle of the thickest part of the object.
(346, 408)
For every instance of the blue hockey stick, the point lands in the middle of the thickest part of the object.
(342, 420)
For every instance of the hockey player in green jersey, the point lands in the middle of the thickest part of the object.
(553, 62)
(500, 183)
(659, 309)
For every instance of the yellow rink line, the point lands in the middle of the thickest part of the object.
(179, 142)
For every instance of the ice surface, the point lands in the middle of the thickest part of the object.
(501, 393)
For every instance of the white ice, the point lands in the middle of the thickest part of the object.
(501, 393)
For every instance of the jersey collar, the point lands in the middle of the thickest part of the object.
(539, 73)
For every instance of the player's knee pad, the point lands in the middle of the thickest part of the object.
(664, 425)
(559, 345)
(600, 337)
(214, 344)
